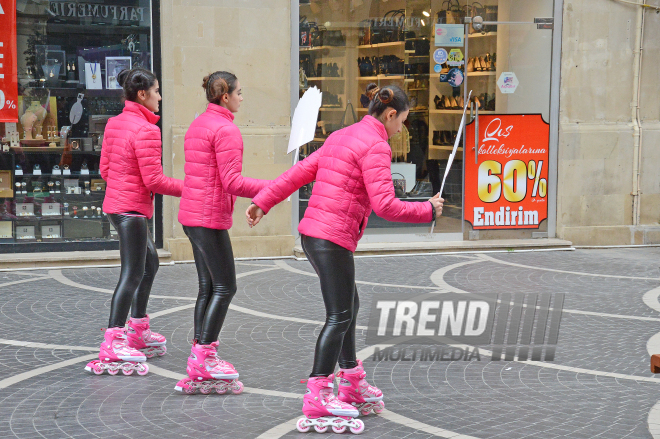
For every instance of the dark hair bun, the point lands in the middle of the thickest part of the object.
(386, 95)
(217, 84)
(390, 96)
(134, 80)
(121, 77)
(205, 81)
(371, 91)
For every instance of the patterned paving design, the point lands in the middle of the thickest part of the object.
(45, 392)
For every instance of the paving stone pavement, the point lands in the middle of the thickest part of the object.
(271, 330)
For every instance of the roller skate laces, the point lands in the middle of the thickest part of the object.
(323, 410)
(355, 390)
(208, 373)
(115, 355)
(141, 337)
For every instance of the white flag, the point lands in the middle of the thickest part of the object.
(303, 125)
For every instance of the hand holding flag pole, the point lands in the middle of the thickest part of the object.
(453, 152)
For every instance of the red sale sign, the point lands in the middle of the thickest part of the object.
(506, 187)
(8, 80)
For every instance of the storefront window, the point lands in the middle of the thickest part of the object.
(430, 49)
(69, 55)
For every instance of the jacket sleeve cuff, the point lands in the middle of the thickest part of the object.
(258, 203)
(432, 212)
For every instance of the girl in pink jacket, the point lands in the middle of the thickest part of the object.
(214, 158)
(131, 167)
(353, 176)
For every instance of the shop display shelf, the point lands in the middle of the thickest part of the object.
(380, 77)
(445, 147)
(325, 78)
(72, 92)
(379, 45)
(314, 48)
(457, 112)
(482, 73)
(484, 35)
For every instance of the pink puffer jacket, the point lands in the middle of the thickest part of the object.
(131, 162)
(214, 161)
(352, 172)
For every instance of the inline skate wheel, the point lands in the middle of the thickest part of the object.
(302, 425)
(365, 411)
(339, 429)
(378, 408)
(189, 389)
(113, 371)
(149, 354)
(206, 390)
(161, 353)
(96, 368)
(237, 389)
(359, 428)
(127, 370)
(143, 369)
(320, 429)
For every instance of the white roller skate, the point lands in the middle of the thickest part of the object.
(141, 337)
(208, 373)
(116, 355)
(355, 390)
(323, 410)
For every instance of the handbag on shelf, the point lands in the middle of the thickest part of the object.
(399, 185)
(316, 34)
(364, 33)
(352, 114)
(450, 13)
(490, 14)
(475, 10)
(304, 32)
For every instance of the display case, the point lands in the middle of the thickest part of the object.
(69, 56)
(56, 196)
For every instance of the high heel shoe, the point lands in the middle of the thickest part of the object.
(436, 138)
(454, 104)
(438, 102)
(470, 65)
(476, 102)
(447, 103)
(444, 137)
(461, 102)
(482, 64)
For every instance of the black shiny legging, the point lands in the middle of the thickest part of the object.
(139, 265)
(214, 259)
(336, 269)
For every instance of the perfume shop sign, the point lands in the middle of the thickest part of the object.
(8, 80)
(100, 12)
(506, 187)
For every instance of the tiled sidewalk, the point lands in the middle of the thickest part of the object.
(271, 330)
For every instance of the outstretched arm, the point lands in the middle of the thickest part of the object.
(304, 172)
(377, 175)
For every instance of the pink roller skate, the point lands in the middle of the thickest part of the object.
(206, 372)
(322, 409)
(354, 389)
(141, 338)
(116, 355)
